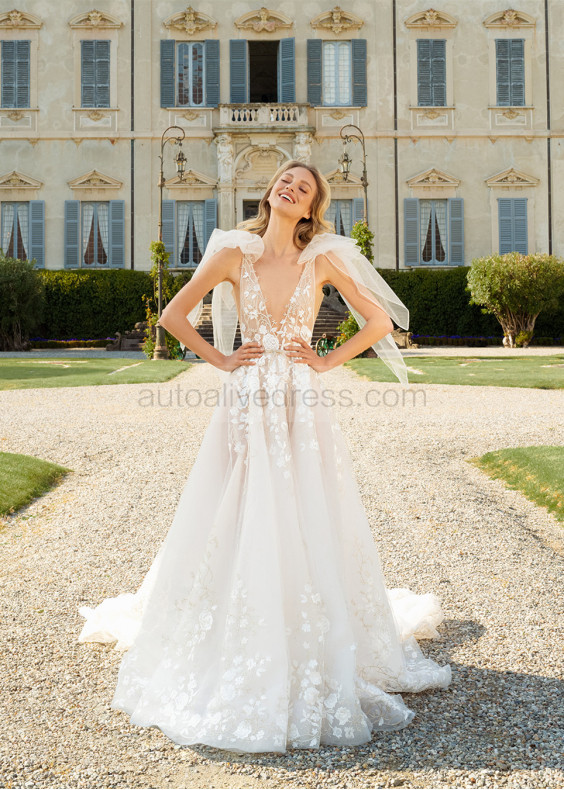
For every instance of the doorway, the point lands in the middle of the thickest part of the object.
(263, 71)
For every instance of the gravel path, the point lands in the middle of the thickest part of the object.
(494, 559)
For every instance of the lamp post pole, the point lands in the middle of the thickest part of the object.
(345, 161)
(161, 350)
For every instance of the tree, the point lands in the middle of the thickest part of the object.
(516, 288)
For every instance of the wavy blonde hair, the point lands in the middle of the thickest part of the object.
(305, 229)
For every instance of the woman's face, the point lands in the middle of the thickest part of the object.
(299, 186)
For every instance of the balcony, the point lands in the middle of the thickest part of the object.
(263, 116)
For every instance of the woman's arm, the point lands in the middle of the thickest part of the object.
(173, 318)
(378, 323)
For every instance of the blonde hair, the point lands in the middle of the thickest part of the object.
(305, 229)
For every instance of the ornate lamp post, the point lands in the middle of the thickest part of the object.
(345, 161)
(161, 351)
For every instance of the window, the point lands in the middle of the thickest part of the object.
(431, 72)
(187, 226)
(94, 234)
(510, 72)
(262, 71)
(190, 225)
(512, 213)
(23, 230)
(340, 214)
(15, 73)
(434, 231)
(189, 73)
(95, 73)
(336, 72)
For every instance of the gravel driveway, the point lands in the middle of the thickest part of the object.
(494, 559)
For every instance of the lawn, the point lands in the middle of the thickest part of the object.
(17, 373)
(539, 372)
(538, 472)
(23, 478)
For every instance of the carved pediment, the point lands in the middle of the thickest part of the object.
(95, 180)
(510, 19)
(431, 18)
(192, 178)
(15, 180)
(263, 21)
(335, 177)
(512, 178)
(337, 20)
(433, 178)
(95, 19)
(18, 19)
(190, 21)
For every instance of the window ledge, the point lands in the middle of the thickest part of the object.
(510, 116)
(18, 119)
(427, 116)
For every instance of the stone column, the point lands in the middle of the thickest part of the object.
(225, 197)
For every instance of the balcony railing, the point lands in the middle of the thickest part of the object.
(287, 116)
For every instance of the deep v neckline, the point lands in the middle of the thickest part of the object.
(272, 323)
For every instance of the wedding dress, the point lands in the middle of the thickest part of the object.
(264, 623)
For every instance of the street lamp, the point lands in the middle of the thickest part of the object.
(161, 350)
(345, 161)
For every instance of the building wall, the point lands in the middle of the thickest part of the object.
(450, 152)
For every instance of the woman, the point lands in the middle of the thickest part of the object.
(263, 623)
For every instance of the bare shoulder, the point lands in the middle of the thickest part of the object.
(228, 261)
(322, 269)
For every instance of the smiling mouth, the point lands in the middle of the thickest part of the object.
(288, 198)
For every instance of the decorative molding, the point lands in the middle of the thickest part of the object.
(95, 180)
(263, 21)
(433, 178)
(431, 19)
(336, 178)
(254, 166)
(337, 20)
(19, 19)
(510, 19)
(512, 178)
(190, 21)
(95, 19)
(16, 180)
(192, 178)
(338, 115)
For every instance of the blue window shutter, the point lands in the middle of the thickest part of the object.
(411, 230)
(72, 234)
(168, 98)
(117, 234)
(102, 73)
(505, 219)
(287, 70)
(314, 71)
(88, 73)
(438, 71)
(503, 78)
(359, 71)
(517, 71)
(37, 232)
(15, 73)
(169, 230)
(456, 231)
(22, 73)
(211, 57)
(210, 219)
(238, 70)
(357, 210)
(424, 81)
(520, 225)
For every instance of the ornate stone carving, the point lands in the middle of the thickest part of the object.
(258, 163)
(302, 146)
(15, 115)
(96, 115)
(337, 20)
(95, 19)
(336, 178)
(190, 115)
(432, 114)
(19, 19)
(95, 180)
(338, 115)
(512, 178)
(15, 180)
(192, 178)
(433, 178)
(225, 155)
(510, 19)
(191, 21)
(511, 114)
(263, 21)
(431, 18)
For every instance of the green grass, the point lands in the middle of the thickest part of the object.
(542, 372)
(17, 373)
(23, 478)
(538, 472)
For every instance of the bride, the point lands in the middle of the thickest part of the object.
(264, 623)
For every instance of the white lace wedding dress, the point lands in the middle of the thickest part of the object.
(264, 623)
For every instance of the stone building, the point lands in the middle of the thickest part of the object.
(460, 106)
